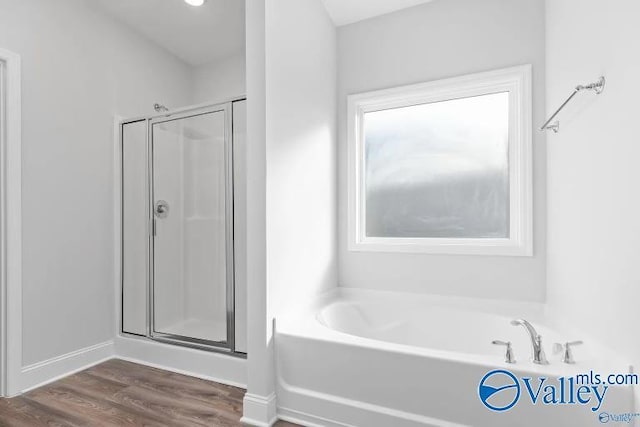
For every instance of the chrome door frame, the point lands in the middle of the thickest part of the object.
(229, 344)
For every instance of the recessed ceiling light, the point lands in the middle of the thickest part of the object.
(195, 2)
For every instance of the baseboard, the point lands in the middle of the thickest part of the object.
(217, 367)
(210, 366)
(50, 370)
(259, 411)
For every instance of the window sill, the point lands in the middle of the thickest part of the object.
(436, 246)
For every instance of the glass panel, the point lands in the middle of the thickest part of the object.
(135, 241)
(190, 259)
(240, 222)
(438, 170)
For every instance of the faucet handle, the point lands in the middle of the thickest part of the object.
(566, 350)
(508, 357)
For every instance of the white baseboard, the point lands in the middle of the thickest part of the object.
(217, 367)
(259, 411)
(50, 370)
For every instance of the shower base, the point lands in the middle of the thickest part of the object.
(208, 330)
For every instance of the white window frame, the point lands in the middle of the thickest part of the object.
(516, 81)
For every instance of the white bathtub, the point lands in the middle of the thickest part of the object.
(361, 358)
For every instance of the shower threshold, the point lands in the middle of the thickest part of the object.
(205, 330)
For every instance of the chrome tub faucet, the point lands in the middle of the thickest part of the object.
(536, 341)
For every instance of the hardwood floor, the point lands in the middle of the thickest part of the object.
(119, 393)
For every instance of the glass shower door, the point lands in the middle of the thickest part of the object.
(192, 210)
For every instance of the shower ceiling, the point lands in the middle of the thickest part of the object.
(197, 35)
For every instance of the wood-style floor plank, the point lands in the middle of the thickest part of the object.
(22, 412)
(91, 410)
(120, 393)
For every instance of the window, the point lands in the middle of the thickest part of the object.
(443, 167)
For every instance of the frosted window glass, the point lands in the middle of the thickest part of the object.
(438, 170)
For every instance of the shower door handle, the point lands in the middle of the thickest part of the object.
(161, 209)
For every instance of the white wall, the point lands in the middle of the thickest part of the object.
(291, 87)
(220, 80)
(301, 152)
(429, 42)
(79, 69)
(260, 357)
(594, 232)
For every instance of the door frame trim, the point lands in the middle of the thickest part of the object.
(11, 224)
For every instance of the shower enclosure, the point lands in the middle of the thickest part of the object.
(178, 225)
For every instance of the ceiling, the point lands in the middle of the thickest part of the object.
(349, 11)
(197, 35)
